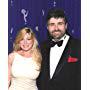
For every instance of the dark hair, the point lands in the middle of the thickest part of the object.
(56, 13)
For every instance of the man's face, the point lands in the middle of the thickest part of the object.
(57, 27)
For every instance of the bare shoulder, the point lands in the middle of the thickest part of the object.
(11, 57)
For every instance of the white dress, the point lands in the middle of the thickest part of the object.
(24, 73)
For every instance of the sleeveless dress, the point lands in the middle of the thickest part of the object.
(24, 73)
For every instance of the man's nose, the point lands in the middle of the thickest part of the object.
(56, 27)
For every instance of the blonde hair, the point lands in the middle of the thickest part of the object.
(36, 55)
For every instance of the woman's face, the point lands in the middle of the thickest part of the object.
(26, 43)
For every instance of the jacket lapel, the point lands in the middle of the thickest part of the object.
(47, 61)
(63, 59)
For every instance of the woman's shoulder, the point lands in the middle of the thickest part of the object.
(11, 56)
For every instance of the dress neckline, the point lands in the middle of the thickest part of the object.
(23, 56)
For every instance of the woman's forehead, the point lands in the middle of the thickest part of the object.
(27, 35)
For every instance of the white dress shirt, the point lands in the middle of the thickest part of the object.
(56, 53)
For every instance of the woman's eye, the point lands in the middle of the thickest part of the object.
(21, 39)
(29, 39)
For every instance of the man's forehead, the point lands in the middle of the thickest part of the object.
(56, 19)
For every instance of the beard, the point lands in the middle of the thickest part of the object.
(56, 34)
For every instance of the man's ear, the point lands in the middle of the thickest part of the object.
(66, 25)
(47, 27)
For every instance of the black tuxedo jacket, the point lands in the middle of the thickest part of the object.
(67, 75)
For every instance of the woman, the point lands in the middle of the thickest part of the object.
(24, 62)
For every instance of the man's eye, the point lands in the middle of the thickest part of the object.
(51, 24)
(61, 23)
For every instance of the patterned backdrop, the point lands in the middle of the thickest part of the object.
(32, 13)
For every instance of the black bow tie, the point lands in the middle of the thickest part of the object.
(59, 43)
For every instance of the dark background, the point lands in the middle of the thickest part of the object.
(32, 13)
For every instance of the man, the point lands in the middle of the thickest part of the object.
(61, 68)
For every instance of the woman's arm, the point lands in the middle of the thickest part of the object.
(10, 60)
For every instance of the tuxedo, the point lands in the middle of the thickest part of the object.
(67, 75)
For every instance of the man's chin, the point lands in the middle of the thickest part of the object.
(57, 37)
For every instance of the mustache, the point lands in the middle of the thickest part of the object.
(56, 31)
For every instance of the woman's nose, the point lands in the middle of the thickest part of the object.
(25, 41)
